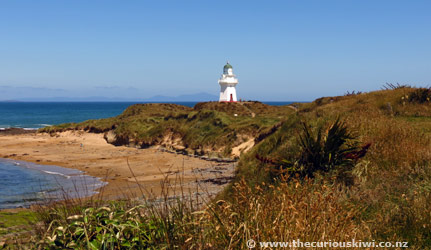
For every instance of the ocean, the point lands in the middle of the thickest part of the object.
(22, 183)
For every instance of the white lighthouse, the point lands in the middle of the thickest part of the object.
(227, 83)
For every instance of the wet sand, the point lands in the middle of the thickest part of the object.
(149, 169)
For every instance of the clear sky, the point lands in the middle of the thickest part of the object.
(280, 50)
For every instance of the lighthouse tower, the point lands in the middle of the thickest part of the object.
(227, 83)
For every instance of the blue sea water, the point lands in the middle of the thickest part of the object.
(23, 183)
(42, 114)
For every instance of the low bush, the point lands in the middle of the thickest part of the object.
(420, 95)
(333, 149)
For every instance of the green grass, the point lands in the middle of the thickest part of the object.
(421, 123)
(15, 222)
(387, 200)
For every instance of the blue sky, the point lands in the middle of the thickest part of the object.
(280, 50)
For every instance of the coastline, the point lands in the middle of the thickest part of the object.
(128, 171)
(27, 183)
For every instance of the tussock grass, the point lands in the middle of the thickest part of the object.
(310, 210)
(388, 199)
(392, 177)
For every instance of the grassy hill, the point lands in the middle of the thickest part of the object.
(340, 168)
(208, 128)
(391, 183)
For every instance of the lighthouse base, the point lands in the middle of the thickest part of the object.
(228, 94)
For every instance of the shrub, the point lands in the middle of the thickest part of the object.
(320, 151)
(103, 227)
(420, 95)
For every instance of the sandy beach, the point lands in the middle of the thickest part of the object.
(89, 152)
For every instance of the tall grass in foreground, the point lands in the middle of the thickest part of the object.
(388, 201)
(395, 178)
(311, 211)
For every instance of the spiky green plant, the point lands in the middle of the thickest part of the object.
(333, 149)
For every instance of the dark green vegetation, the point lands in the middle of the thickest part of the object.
(334, 150)
(354, 167)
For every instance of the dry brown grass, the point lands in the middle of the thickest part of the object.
(392, 182)
(310, 211)
(389, 200)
